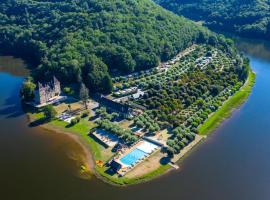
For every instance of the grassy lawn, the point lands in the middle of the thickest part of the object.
(226, 109)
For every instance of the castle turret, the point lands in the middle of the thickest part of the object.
(40, 94)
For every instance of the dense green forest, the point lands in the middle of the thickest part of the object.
(250, 18)
(86, 40)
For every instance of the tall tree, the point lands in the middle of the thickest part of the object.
(49, 112)
(28, 90)
(84, 94)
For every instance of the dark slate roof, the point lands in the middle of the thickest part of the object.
(115, 165)
(124, 108)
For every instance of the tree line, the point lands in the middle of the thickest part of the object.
(249, 18)
(89, 40)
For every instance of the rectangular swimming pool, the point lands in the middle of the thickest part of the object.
(132, 157)
(144, 149)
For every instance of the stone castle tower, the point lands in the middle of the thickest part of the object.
(45, 92)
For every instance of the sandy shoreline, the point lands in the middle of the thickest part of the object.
(88, 158)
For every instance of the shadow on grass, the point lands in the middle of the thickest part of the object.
(97, 140)
(93, 118)
(69, 125)
(164, 160)
(38, 122)
(110, 171)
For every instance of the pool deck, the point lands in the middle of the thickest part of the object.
(126, 168)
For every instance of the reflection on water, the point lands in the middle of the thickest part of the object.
(13, 66)
(256, 48)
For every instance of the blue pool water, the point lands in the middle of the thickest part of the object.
(132, 157)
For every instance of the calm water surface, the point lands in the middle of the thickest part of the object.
(233, 164)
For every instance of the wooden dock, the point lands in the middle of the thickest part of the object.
(175, 166)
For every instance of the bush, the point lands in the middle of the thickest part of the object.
(185, 141)
(170, 152)
(49, 112)
(85, 114)
(28, 90)
(74, 121)
(68, 90)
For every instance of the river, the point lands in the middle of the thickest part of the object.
(233, 163)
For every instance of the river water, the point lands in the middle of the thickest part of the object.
(233, 164)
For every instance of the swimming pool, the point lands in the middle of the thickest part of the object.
(132, 157)
(144, 149)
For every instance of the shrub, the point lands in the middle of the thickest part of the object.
(75, 121)
(49, 112)
(170, 152)
(28, 90)
(85, 114)
(68, 90)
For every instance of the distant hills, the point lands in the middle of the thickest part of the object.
(86, 40)
(250, 18)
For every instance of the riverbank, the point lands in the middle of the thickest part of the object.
(92, 149)
(228, 107)
(88, 161)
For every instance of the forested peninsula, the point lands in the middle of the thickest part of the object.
(249, 18)
(89, 40)
(166, 82)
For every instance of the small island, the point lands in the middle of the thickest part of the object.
(152, 118)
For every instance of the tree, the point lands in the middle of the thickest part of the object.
(49, 112)
(114, 115)
(108, 116)
(68, 91)
(140, 124)
(101, 111)
(117, 57)
(107, 84)
(170, 152)
(200, 102)
(28, 90)
(69, 107)
(84, 94)
(151, 128)
(96, 75)
(215, 89)
(123, 60)
(74, 121)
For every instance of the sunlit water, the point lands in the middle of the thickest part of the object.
(233, 164)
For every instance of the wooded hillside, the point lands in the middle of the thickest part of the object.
(250, 18)
(85, 40)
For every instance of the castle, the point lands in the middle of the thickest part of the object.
(45, 93)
